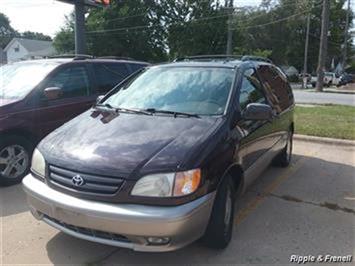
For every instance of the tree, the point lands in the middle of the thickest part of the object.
(6, 31)
(64, 40)
(258, 28)
(35, 36)
(128, 28)
(195, 27)
(156, 29)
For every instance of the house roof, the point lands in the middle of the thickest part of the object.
(32, 46)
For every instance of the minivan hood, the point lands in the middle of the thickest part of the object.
(125, 145)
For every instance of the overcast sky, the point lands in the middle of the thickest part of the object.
(47, 16)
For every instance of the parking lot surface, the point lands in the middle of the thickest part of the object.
(306, 209)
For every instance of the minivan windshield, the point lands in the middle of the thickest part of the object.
(193, 90)
(18, 79)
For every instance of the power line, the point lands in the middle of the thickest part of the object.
(191, 21)
(271, 22)
(278, 20)
(123, 18)
(157, 25)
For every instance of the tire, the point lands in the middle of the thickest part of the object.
(283, 159)
(15, 159)
(220, 227)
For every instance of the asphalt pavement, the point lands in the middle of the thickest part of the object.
(305, 209)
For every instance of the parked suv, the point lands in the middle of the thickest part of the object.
(38, 96)
(160, 160)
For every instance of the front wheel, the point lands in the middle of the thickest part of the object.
(15, 155)
(219, 230)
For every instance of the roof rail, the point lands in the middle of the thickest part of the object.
(74, 56)
(224, 57)
(255, 58)
(115, 57)
(209, 57)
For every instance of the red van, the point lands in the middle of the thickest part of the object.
(38, 96)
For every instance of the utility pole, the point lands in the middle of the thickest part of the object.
(79, 9)
(304, 84)
(80, 40)
(346, 36)
(230, 30)
(323, 45)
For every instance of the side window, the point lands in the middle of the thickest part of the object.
(250, 91)
(286, 85)
(109, 75)
(73, 81)
(277, 87)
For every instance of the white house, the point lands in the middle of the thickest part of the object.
(24, 49)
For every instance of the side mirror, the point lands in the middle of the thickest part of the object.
(53, 93)
(99, 98)
(258, 111)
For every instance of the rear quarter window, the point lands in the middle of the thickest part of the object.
(277, 87)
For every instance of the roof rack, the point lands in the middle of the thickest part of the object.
(74, 56)
(209, 57)
(115, 57)
(223, 57)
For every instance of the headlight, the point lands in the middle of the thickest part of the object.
(168, 185)
(38, 163)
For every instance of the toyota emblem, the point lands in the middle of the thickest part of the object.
(78, 181)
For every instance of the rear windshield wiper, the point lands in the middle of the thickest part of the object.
(153, 111)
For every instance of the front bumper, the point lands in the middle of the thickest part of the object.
(122, 225)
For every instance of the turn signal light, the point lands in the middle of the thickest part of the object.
(187, 182)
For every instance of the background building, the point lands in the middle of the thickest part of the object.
(25, 49)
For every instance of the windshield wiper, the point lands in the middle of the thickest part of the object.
(120, 109)
(136, 111)
(153, 111)
(107, 105)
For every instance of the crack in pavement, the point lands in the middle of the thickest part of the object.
(328, 205)
(100, 260)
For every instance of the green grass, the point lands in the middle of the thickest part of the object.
(332, 121)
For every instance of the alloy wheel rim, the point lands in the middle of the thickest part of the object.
(14, 161)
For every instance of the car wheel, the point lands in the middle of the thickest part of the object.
(283, 159)
(15, 156)
(219, 230)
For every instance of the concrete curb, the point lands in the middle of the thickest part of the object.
(338, 142)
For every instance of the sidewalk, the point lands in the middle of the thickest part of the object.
(347, 89)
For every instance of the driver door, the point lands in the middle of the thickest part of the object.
(75, 97)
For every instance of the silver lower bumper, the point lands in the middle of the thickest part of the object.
(103, 222)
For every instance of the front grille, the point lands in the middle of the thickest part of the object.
(90, 232)
(91, 183)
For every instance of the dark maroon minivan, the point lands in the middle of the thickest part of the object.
(38, 96)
